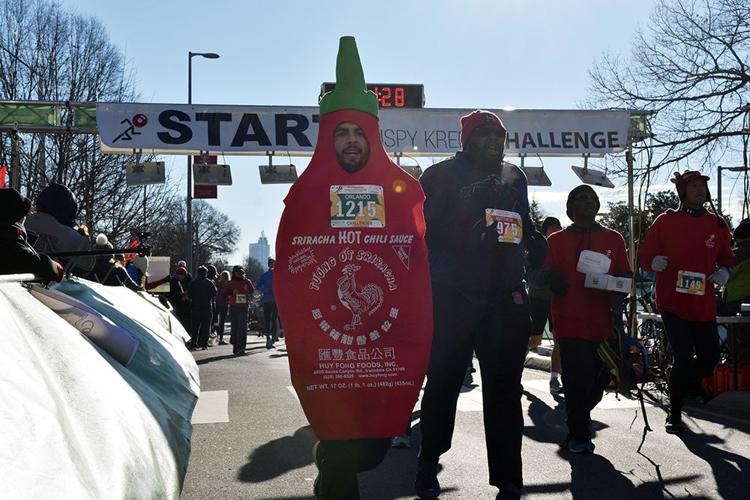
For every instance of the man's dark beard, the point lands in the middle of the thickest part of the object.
(352, 167)
(480, 156)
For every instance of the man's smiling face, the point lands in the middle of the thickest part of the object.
(351, 146)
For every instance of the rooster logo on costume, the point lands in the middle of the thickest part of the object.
(359, 301)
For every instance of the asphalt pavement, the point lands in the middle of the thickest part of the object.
(255, 443)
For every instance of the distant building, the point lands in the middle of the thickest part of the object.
(261, 251)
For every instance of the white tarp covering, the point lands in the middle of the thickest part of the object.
(76, 423)
(186, 128)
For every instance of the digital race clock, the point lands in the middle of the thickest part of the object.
(391, 95)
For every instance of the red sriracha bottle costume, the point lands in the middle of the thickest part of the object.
(352, 279)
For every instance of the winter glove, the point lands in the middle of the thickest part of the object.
(557, 282)
(719, 277)
(487, 234)
(659, 263)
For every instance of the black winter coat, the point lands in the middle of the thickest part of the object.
(202, 292)
(17, 256)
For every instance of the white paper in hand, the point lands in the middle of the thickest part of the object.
(590, 262)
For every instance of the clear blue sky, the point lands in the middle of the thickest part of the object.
(470, 53)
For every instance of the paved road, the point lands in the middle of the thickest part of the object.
(256, 444)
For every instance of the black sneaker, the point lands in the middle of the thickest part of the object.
(426, 483)
(555, 387)
(509, 492)
(674, 424)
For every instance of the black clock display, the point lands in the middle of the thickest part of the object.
(391, 95)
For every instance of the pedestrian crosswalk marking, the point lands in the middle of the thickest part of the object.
(212, 408)
(610, 401)
(471, 400)
(294, 393)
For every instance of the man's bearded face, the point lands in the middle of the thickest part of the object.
(351, 145)
(487, 143)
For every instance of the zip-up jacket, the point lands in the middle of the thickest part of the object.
(464, 251)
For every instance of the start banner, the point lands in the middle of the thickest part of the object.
(184, 129)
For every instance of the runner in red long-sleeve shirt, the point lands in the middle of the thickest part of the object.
(689, 249)
(582, 316)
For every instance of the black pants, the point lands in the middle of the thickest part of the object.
(540, 310)
(238, 321)
(200, 322)
(584, 378)
(270, 313)
(499, 334)
(695, 347)
(221, 319)
(340, 461)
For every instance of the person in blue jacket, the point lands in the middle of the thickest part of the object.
(270, 312)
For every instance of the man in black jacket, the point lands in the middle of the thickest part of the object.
(201, 292)
(479, 235)
(16, 254)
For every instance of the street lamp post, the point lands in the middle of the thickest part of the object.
(718, 181)
(189, 226)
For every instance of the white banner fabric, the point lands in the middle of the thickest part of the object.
(185, 129)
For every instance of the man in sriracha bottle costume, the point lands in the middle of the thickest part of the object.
(353, 286)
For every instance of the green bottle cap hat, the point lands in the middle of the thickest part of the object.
(351, 91)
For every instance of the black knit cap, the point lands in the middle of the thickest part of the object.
(548, 222)
(574, 192)
(13, 206)
(60, 202)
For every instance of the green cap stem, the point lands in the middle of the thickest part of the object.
(351, 91)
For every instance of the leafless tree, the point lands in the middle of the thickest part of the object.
(215, 234)
(47, 54)
(690, 67)
(253, 269)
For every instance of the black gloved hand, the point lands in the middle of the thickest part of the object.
(486, 235)
(557, 282)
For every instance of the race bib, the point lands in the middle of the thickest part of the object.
(357, 206)
(691, 283)
(240, 298)
(509, 225)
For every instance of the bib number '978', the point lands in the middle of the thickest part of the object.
(357, 206)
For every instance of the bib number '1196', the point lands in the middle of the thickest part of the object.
(357, 206)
